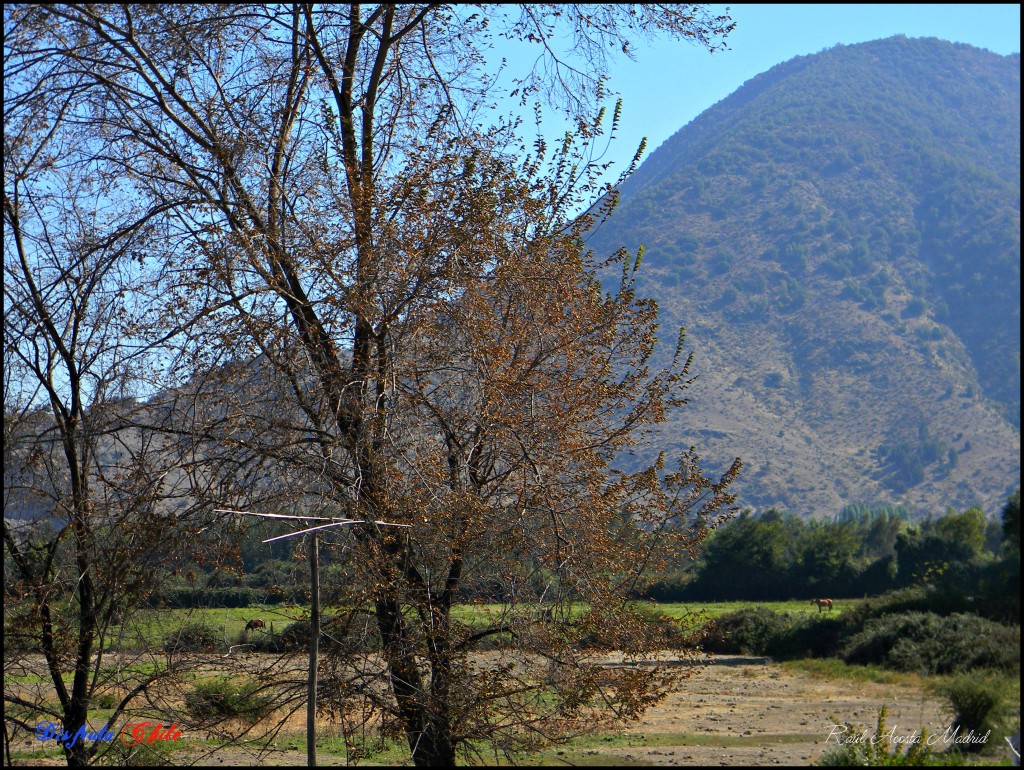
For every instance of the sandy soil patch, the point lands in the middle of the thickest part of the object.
(748, 711)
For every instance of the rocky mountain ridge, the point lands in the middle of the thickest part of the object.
(841, 239)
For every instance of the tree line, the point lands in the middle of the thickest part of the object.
(860, 552)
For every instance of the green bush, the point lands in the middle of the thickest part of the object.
(979, 706)
(915, 641)
(783, 636)
(933, 644)
(916, 598)
(223, 698)
(987, 596)
(351, 632)
(751, 631)
(193, 637)
(103, 701)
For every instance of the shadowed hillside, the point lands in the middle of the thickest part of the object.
(841, 239)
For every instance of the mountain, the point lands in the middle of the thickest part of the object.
(841, 239)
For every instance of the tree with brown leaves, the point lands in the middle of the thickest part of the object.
(423, 336)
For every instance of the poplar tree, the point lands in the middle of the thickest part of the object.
(416, 328)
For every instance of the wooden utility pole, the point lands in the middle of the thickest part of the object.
(314, 598)
(314, 648)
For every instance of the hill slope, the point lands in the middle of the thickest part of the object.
(841, 239)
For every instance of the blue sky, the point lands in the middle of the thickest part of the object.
(671, 83)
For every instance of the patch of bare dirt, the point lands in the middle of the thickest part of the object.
(748, 711)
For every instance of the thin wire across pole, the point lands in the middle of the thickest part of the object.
(314, 593)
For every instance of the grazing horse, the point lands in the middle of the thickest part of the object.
(822, 604)
(255, 623)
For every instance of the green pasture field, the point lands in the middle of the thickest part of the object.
(717, 609)
(473, 613)
(149, 627)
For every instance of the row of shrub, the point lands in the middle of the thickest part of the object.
(338, 634)
(883, 632)
(189, 598)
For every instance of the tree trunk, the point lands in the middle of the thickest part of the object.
(434, 746)
(427, 729)
(74, 719)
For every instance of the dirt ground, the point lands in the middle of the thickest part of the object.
(748, 711)
(744, 712)
(734, 711)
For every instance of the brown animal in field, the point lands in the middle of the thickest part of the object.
(255, 623)
(822, 604)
